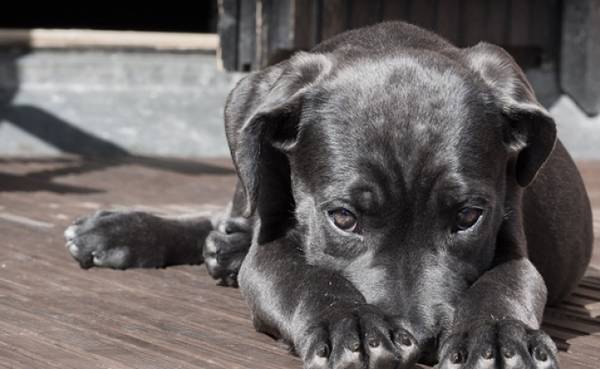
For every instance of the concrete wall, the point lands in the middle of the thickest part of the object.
(579, 133)
(98, 102)
(166, 104)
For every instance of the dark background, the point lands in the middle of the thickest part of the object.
(198, 16)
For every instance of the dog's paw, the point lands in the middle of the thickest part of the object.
(358, 339)
(225, 249)
(505, 344)
(114, 240)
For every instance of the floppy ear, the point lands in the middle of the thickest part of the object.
(531, 130)
(272, 125)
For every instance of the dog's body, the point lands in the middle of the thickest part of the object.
(393, 205)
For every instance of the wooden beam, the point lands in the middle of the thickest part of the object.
(79, 38)
(473, 22)
(396, 10)
(496, 22)
(275, 30)
(228, 33)
(334, 17)
(580, 53)
(247, 57)
(364, 13)
(424, 13)
(448, 20)
(307, 24)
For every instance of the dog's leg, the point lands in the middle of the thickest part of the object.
(319, 312)
(123, 240)
(128, 239)
(227, 245)
(225, 248)
(497, 324)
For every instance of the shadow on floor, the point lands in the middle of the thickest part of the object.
(93, 153)
(17, 183)
(578, 317)
(41, 179)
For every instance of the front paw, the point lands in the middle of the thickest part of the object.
(507, 344)
(225, 248)
(358, 338)
(114, 240)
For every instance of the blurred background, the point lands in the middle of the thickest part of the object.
(95, 80)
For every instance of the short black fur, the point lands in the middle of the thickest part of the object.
(403, 131)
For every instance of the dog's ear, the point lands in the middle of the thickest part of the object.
(272, 128)
(531, 130)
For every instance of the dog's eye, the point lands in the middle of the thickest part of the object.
(343, 219)
(467, 217)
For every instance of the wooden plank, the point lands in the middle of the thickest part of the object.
(105, 318)
(424, 13)
(587, 326)
(497, 20)
(580, 53)
(364, 13)
(588, 303)
(588, 292)
(557, 333)
(578, 310)
(228, 27)
(559, 312)
(519, 23)
(333, 18)
(83, 38)
(396, 9)
(448, 20)
(24, 221)
(307, 24)
(474, 24)
(590, 283)
(275, 30)
(541, 22)
(247, 36)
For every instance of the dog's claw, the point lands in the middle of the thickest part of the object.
(358, 340)
(509, 338)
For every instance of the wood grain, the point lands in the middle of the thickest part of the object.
(55, 315)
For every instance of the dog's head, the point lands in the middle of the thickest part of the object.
(402, 171)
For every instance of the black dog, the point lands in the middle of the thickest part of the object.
(399, 199)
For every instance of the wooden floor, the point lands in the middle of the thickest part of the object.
(55, 315)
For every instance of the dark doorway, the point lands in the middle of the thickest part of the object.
(200, 16)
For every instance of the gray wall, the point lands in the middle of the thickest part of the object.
(166, 104)
(95, 102)
(579, 133)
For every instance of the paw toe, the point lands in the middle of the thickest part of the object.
(71, 232)
(86, 241)
(319, 349)
(223, 255)
(73, 249)
(378, 345)
(358, 339)
(113, 258)
(505, 344)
